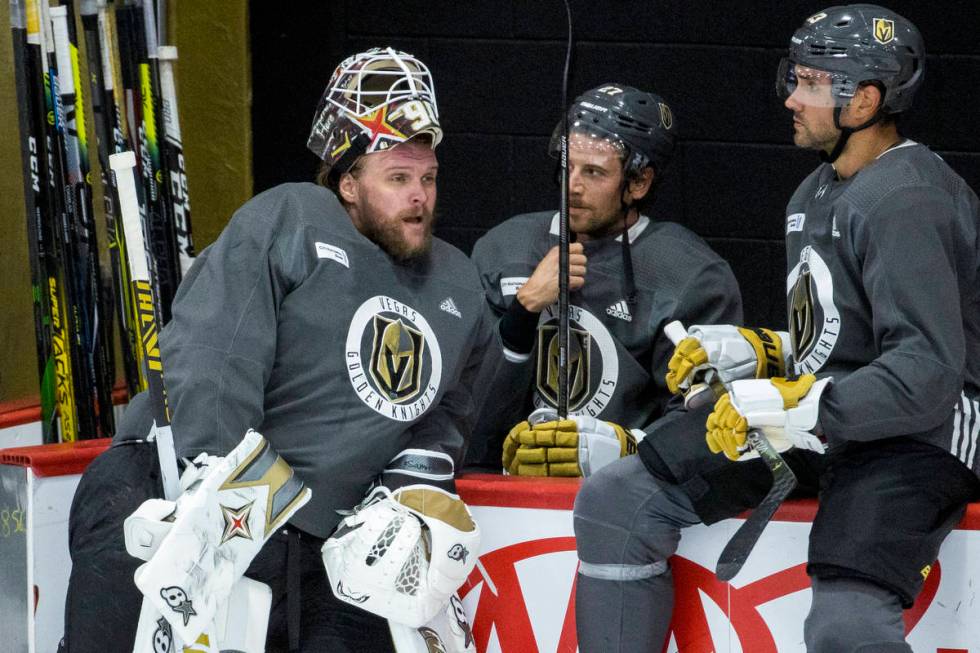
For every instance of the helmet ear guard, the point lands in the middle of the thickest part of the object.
(374, 100)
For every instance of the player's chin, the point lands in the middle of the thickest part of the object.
(414, 243)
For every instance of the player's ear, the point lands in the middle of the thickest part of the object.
(867, 100)
(347, 187)
(639, 184)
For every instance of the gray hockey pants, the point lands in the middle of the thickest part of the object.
(627, 525)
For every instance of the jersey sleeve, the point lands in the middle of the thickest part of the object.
(448, 426)
(910, 280)
(711, 296)
(504, 379)
(219, 348)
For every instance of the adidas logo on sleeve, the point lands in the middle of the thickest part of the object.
(620, 310)
(449, 306)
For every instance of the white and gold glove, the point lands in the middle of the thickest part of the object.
(725, 353)
(785, 411)
(577, 446)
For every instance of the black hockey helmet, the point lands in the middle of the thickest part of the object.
(640, 124)
(855, 44)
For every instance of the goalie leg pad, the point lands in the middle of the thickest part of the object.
(220, 524)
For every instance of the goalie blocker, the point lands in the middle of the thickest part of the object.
(231, 506)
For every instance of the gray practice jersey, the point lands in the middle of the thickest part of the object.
(884, 295)
(618, 353)
(295, 324)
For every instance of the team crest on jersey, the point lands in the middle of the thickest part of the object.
(884, 30)
(393, 359)
(814, 321)
(593, 367)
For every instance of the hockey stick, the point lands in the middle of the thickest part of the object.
(29, 82)
(737, 551)
(130, 208)
(173, 159)
(563, 236)
(95, 333)
(109, 141)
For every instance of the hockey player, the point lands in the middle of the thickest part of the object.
(884, 351)
(330, 319)
(641, 275)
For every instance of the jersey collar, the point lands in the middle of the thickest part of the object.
(634, 232)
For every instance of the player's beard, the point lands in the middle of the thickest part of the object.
(808, 136)
(386, 233)
(596, 227)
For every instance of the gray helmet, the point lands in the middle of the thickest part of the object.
(641, 123)
(858, 43)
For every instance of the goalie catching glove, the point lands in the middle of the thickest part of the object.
(576, 446)
(219, 524)
(725, 353)
(403, 554)
(785, 411)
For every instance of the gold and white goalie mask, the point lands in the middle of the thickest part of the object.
(199, 545)
(375, 100)
(402, 554)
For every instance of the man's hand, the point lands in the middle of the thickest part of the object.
(785, 410)
(577, 446)
(541, 289)
(726, 353)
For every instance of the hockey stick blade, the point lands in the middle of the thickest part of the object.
(737, 551)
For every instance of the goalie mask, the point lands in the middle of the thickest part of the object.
(374, 101)
(640, 125)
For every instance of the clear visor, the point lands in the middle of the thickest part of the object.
(583, 137)
(812, 86)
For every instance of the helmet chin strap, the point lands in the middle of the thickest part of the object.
(845, 133)
(626, 252)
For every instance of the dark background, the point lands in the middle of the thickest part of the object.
(497, 68)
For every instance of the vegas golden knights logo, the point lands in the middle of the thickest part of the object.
(884, 30)
(579, 342)
(666, 117)
(396, 359)
(801, 327)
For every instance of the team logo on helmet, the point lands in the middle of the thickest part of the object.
(884, 30)
(666, 116)
(393, 359)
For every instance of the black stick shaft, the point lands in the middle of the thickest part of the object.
(564, 238)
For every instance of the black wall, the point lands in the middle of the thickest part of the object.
(497, 68)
